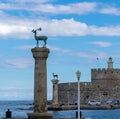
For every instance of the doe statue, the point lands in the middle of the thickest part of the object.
(55, 76)
(41, 38)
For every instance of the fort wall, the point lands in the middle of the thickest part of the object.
(106, 74)
(97, 90)
(104, 85)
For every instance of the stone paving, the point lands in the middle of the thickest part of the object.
(53, 118)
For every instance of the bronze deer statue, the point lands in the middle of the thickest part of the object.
(37, 38)
(55, 76)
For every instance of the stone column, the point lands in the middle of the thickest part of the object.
(55, 93)
(40, 55)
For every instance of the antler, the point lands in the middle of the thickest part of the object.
(39, 29)
(33, 30)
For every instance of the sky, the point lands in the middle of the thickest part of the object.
(79, 32)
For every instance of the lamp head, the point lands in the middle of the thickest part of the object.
(78, 74)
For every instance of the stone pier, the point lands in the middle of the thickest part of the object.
(55, 93)
(40, 54)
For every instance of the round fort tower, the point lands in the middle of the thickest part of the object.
(110, 63)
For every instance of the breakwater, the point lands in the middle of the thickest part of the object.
(20, 109)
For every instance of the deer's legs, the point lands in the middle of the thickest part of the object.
(44, 43)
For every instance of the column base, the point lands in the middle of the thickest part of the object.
(44, 115)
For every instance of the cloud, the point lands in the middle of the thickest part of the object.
(110, 10)
(25, 47)
(91, 55)
(16, 93)
(17, 63)
(70, 27)
(37, 6)
(21, 28)
(53, 62)
(46, 7)
(75, 8)
(61, 50)
(88, 55)
(101, 44)
(104, 30)
(25, 1)
(14, 28)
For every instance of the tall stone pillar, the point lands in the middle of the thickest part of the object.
(40, 55)
(55, 102)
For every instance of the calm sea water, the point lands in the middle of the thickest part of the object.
(21, 108)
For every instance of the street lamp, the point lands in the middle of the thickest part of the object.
(68, 96)
(78, 73)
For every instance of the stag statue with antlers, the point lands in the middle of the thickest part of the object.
(41, 38)
(55, 76)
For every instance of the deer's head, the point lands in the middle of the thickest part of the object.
(34, 31)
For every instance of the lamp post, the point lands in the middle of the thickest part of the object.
(68, 96)
(68, 93)
(78, 73)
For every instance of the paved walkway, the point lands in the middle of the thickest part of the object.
(74, 118)
(53, 118)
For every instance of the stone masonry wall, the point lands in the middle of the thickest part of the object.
(98, 74)
(104, 85)
(97, 90)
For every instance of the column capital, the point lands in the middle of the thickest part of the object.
(40, 52)
(55, 81)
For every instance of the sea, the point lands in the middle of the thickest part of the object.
(20, 109)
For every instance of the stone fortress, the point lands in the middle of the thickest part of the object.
(104, 85)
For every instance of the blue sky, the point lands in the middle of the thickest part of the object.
(78, 32)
